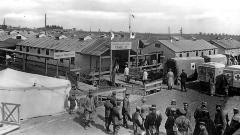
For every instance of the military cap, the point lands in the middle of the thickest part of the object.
(173, 101)
(182, 111)
(236, 109)
(173, 109)
(153, 107)
(202, 123)
(90, 92)
(114, 93)
(127, 93)
(144, 99)
(204, 103)
(138, 108)
(218, 105)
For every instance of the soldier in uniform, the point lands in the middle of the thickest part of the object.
(169, 125)
(72, 98)
(89, 109)
(113, 98)
(188, 113)
(198, 116)
(219, 120)
(126, 110)
(116, 118)
(182, 123)
(150, 122)
(168, 109)
(203, 129)
(235, 122)
(183, 77)
(144, 109)
(108, 108)
(138, 127)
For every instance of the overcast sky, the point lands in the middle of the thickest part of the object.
(211, 16)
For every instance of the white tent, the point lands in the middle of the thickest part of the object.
(38, 95)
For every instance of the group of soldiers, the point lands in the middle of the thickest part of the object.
(147, 120)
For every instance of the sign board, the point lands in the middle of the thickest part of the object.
(61, 55)
(121, 45)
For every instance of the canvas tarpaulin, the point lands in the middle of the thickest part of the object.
(233, 75)
(38, 95)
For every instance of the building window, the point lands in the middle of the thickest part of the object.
(180, 55)
(210, 52)
(196, 53)
(27, 49)
(188, 54)
(202, 53)
(38, 51)
(47, 51)
(20, 48)
(214, 51)
(73, 60)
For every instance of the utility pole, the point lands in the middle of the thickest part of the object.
(45, 24)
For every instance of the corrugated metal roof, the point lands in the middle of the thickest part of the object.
(187, 45)
(227, 43)
(4, 36)
(90, 47)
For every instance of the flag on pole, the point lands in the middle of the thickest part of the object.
(132, 35)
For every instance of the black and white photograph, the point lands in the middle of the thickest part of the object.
(119, 67)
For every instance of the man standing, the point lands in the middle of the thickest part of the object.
(170, 77)
(145, 76)
(188, 113)
(138, 127)
(169, 108)
(126, 110)
(219, 120)
(116, 118)
(144, 109)
(89, 109)
(72, 99)
(182, 123)
(108, 108)
(126, 73)
(113, 98)
(183, 77)
(212, 84)
(203, 129)
(150, 123)
(169, 125)
(235, 122)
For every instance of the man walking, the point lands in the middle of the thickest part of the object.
(89, 109)
(126, 110)
(108, 108)
(219, 120)
(183, 77)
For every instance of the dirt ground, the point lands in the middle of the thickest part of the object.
(63, 124)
